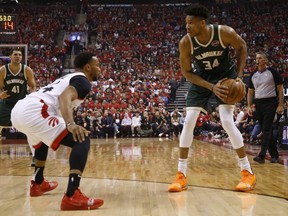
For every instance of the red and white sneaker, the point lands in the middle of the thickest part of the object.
(80, 202)
(39, 189)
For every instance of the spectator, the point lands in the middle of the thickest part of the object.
(182, 120)
(146, 125)
(97, 127)
(136, 125)
(107, 123)
(175, 120)
(126, 125)
(117, 123)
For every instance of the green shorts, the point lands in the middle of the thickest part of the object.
(5, 113)
(198, 96)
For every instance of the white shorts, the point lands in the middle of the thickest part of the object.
(39, 121)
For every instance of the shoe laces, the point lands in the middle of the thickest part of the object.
(179, 177)
(82, 194)
(90, 201)
(245, 176)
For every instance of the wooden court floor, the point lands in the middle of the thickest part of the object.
(132, 176)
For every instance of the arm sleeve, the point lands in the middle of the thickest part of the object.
(82, 85)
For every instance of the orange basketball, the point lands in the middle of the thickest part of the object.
(236, 90)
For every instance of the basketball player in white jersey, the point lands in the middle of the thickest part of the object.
(46, 117)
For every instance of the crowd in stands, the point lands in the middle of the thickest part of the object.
(124, 123)
(158, 122)
(146, 38)
(38, 27)
(138, 50)
(148, 35)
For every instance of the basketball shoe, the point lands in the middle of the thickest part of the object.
(247, 182)
(39, 189)
(179, 184)
(80, 202)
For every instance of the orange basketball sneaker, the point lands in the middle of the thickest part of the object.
(248, 181)
(39, 189)
(179, 184)
(80, 202)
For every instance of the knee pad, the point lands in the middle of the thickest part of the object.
(226, 116)
(186, 137)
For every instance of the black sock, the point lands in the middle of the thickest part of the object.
(73, 184)
(38, 175)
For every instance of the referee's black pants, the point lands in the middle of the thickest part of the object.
(265, 113)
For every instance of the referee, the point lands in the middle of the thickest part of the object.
(266, 85)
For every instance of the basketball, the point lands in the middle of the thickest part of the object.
(236, 90)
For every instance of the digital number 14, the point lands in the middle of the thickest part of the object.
(8, 25)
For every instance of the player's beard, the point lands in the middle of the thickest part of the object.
(94, 78)
(17, 61)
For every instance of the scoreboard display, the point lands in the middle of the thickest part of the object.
(8, 28)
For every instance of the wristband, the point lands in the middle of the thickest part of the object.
(70, 123)
(212, 88)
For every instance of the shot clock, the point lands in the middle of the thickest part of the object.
(8, 28)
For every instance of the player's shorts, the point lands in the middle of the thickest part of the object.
(5, 113)
(198, 96)
(39, 121)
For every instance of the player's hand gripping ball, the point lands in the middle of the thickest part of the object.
(237, 90)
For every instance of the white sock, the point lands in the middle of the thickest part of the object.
(182, 165)
(244, 164)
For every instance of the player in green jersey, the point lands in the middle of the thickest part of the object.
(209, 46)
(15, 78)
